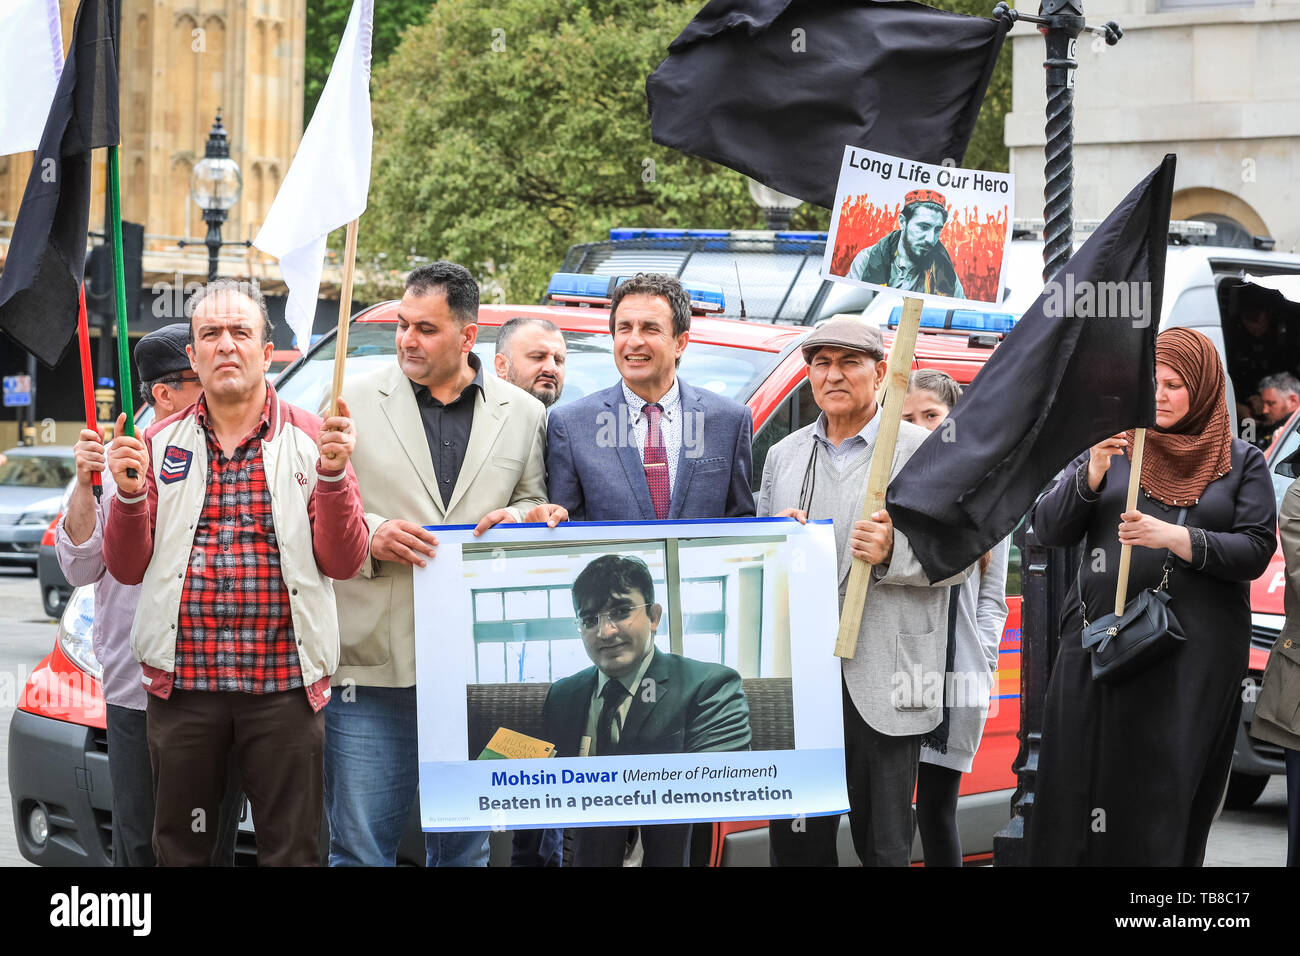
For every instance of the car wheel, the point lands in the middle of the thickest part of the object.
(1243, 790)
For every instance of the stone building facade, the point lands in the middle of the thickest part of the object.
(181, 61)
(1216, 83)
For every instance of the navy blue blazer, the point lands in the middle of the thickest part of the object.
(594, 468)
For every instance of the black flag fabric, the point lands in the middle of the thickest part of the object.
(1079, 366)
(775, 89)
(47, 252)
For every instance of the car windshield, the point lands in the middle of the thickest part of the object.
(589, 366)
(37, 471)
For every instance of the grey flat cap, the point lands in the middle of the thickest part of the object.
(162, 353)
(846, 334)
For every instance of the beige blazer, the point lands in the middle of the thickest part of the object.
(504, 468)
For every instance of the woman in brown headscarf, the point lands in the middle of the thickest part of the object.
(1131, 773)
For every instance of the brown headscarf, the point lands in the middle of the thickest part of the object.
(1179, 462)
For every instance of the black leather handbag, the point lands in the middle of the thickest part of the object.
(1121, 645)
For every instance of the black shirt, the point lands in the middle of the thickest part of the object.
(447, 427)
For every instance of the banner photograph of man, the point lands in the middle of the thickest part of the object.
(926, 230)
(633, 681)
(912, 257)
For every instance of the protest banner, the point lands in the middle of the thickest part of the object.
(917, 228)
(711, 633)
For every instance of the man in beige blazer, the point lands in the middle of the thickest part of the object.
(439, 442)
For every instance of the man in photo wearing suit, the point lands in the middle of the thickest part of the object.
(651, 446)
(442, 443)
(637, 700)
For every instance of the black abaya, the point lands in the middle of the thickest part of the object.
(1131, 773)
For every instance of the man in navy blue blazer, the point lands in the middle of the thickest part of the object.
(651, 446)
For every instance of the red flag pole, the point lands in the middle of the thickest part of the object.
(87, 383)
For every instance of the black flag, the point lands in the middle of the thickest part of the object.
(47, 253)
(1078, 367)
(775, 89)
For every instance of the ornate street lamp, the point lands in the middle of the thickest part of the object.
(777, 207)
(215, 185)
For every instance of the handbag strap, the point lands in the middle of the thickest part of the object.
(1164, 580)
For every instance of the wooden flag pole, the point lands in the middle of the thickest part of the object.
(882, 459)
(1126, 551)
(345, 315)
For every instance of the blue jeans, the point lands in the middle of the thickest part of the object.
(371, 778)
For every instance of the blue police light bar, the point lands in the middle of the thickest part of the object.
(959, 320)
(579, 287)
(629, 232)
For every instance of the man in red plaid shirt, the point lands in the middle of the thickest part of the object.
(238, 513)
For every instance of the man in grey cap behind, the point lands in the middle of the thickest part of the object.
(169, 384)
(890, 702)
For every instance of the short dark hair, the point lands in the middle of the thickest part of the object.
(655, 283)
(248, 290)
(508, 330)
(910, 211)
(453, 281)
(611, 574)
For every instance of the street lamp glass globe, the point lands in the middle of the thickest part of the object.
(769, 198)
(216, 183)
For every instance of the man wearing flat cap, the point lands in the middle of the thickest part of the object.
(912, 257)
(169, 384)
(820, 472)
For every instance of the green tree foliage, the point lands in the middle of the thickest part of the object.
(987, 149)
(326, 21)
(504, 133)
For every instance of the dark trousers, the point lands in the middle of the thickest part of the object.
(537, 848)
(131, 779)
(276, 741)
(881, 772)
(936, 814)
(664, 844)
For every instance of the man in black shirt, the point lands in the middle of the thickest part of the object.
(438, 443)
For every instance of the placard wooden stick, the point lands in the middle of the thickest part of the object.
(882, 459)
(1126, 551)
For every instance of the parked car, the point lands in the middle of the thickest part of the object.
(32, 479)
(55, 589)
(64, 818)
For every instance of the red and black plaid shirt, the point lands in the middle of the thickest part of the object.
(235, 632)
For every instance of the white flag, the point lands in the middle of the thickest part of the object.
(31, 59)
(327, 183)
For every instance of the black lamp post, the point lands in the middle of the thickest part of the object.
(1045, 572)
(215, 185)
